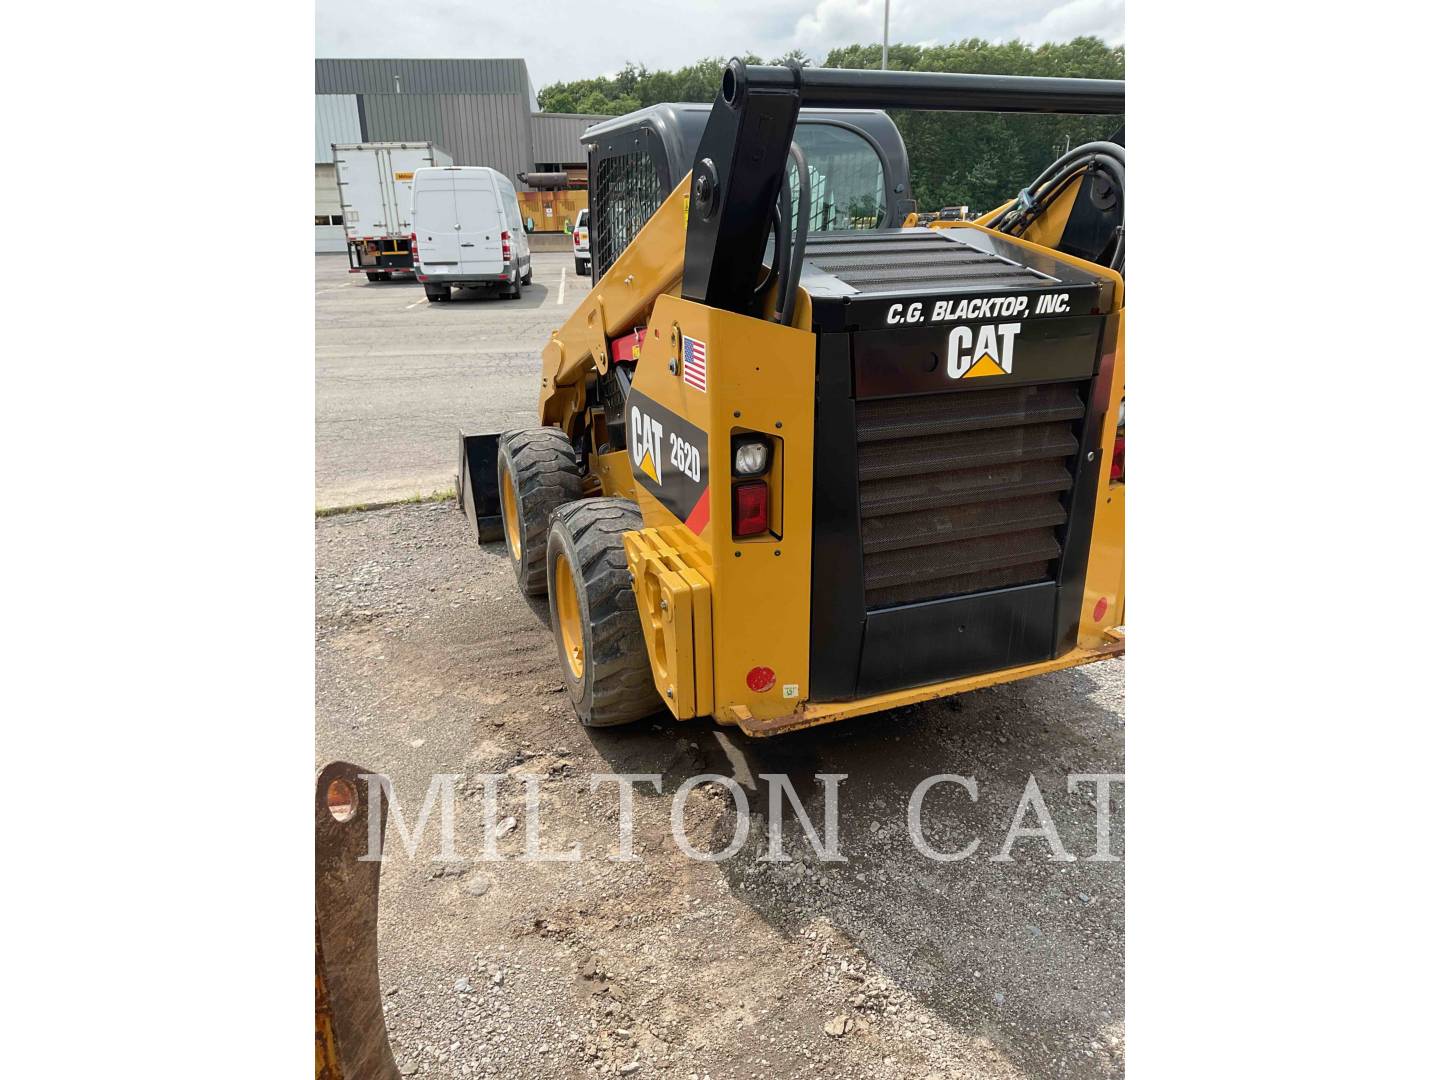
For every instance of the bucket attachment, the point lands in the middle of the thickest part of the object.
(477, 487)
(351, 1042)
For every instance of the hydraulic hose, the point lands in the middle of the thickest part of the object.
(781, 263)
(802, 234)
(1033, 200)
(774, 270)
(1065, 160)
(1109, 154)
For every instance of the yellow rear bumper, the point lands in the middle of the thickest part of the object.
(675, 606)
(812, 714)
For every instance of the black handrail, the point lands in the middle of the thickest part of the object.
(740, 164)
(851, 88)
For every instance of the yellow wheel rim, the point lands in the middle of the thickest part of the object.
(567, 614)
(510, 514)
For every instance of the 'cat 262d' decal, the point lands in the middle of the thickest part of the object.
(669, 457)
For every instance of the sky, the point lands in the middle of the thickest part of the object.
(561, 40)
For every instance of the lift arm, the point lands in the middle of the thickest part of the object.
(621, 300)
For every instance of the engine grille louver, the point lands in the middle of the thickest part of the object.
(910, 259)
(964, 491)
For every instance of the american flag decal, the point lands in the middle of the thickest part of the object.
(692, 369)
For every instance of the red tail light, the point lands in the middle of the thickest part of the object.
(752, 508)
(505, 246)
(414, 248)
(1117, 464)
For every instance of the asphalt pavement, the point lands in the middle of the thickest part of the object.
(397, 377)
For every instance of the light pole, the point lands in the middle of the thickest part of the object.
(885, 45)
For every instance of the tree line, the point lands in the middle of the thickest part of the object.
(972, 159)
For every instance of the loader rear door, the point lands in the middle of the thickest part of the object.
(435, 218)
(479, 223)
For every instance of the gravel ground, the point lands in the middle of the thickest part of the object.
(888, 965)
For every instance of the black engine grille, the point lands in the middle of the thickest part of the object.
(911, 260)
(966, 491)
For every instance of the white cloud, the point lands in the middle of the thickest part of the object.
(1104, 19)
(576, 39)
(845, 20)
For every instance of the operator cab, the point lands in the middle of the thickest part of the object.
(859, 171)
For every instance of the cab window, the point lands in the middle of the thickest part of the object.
(847, 179)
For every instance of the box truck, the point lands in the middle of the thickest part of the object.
(375, 180)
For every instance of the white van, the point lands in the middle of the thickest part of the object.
(468, 232)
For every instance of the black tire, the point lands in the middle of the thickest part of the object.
(615, 685)
(581, 268)
(529, 275)
(372, 275)
(537, 470)
(513, 292)
(435, 293)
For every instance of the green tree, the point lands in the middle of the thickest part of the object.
(974, 159)
(982, 159)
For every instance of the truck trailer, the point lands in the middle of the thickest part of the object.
(375, 182)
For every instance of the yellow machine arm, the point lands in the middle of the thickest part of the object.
(650, 266)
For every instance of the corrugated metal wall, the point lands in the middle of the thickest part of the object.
(555, 137)
(481, 76)
(481, 112)
(492, 131)
(478, 110)
(402, 118)
(337, 120)
(474, 129)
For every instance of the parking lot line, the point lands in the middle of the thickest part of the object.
(561, 298)
(416, 304)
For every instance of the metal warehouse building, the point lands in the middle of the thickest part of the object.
(480, 112)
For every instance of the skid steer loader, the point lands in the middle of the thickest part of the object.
(795, 463)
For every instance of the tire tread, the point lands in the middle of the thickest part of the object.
(546, 478)
(622, 688)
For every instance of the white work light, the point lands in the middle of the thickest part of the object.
(752, 457)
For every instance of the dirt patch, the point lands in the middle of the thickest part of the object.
(889, 964)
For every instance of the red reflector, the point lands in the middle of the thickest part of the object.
(760, 679)
(1101, 606)
(752, 508)
(1117, 465)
